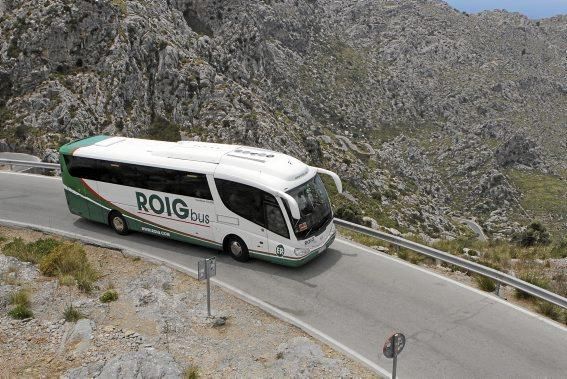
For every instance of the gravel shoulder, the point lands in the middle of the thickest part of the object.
(156, 328)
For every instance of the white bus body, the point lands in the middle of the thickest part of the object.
(247, 201)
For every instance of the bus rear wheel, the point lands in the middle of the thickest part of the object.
(236, 248)
(118, 223)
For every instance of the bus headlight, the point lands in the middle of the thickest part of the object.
(300, 252)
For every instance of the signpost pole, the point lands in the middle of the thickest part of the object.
(208, 295)
(395, 357)
(206, 269)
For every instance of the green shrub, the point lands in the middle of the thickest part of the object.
(559, 249)
(20, 312)
(22, 131)
(30, 252)
(163, 130)
(20, 297)
(485, 284)
(550, 310)
(70, 259)
(191, 372)
(17, 248)
(403, 254)
(85, 279)
(44, 246)
(535, 234)
(108, 296)
(534, 278)
(72, 314)
(66, 259)
(349, 213)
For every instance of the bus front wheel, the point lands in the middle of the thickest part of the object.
(118, 223)
(236, 248)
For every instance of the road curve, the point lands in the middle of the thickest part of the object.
(476, 228)
(354, 295)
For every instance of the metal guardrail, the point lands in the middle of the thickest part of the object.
(16, 162)
(488, 272)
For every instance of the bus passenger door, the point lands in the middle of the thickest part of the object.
(241, 212)
(260, 239)
(277, 229)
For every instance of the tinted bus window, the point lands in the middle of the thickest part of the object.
(158, 179)
(243, 200)
(253, 204)
(194, 185)
(275, 219)
(81, 167)
(131, 175)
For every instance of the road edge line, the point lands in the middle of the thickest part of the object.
(242, 295)
(453, 281)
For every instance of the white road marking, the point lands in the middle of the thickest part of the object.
(453, 281)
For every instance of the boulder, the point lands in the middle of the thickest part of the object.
(141, 364)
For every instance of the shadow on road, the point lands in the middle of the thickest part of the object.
(148, 243)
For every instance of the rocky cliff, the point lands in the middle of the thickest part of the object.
(423, 110)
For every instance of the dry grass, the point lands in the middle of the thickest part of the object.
(535, 278)
(72, 314)
(191, 372)
(485, 284)
(32, 252)
(67, 261)
(20, 297)
(21, 302)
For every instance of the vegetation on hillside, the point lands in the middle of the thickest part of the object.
(64, 260)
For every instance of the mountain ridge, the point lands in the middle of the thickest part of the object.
(453, 105)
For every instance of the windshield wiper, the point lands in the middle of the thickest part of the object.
(309, 231)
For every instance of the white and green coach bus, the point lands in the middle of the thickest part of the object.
(246, 201)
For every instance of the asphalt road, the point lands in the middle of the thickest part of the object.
(353, 295)
(475, 228)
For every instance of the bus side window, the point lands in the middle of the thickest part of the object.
(243, 200)
(194, 185)
(274, 217)
(80, 167)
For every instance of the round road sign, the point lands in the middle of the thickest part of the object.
(394, 345)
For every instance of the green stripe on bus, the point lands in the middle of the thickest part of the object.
(72, 146)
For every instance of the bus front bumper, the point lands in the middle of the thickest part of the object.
(313, 253)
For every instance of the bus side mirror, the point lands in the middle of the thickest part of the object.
(293, 207)
(335, 177)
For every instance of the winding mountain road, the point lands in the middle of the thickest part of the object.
(352, 294)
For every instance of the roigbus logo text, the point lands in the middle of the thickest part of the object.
(176, 207)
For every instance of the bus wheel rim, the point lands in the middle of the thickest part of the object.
(235, 248)
(118, 224)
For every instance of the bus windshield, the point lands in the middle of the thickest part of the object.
(314, 208)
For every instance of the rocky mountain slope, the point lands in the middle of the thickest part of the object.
(426, 112)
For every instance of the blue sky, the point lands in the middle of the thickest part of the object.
(531, 8)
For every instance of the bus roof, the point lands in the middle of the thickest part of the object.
(235, 162)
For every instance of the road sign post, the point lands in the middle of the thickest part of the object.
(394, 346)
(207, 268)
